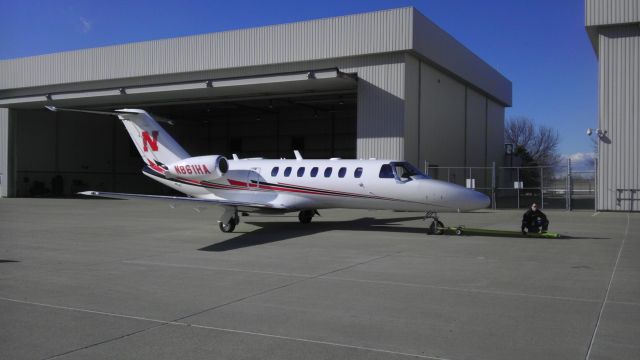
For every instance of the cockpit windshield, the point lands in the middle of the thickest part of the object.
(405, 171)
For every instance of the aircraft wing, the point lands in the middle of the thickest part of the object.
(183, 199)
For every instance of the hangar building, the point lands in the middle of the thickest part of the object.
(386, 84)
(614, 29)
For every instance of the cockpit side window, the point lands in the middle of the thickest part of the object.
(386, 172)
(405, 171)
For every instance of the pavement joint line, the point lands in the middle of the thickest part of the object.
(282, 287)
(606, 295)
(104, 342)
(623, 303)
(463, 289)
(161, 323)
(308, 277)
(213, 268)
(320, 342)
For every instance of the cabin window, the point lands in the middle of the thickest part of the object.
(274, 171)
(386, 172)
(358, 172)
(327, 172)
(314, 172)
(342, 172)
(301, 171)
(287, 171)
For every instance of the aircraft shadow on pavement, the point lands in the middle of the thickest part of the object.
(278, 231)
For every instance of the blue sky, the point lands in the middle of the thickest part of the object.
(541, 46)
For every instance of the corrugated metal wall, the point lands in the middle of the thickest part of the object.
(4, 151)
(381, 110)
(238, 51)
(369, 33)
(619, 79)
(441, 48)
(604, 12)
(447, 123)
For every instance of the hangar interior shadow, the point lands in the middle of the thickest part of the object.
(65, 153)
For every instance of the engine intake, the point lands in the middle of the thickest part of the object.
(199, 168)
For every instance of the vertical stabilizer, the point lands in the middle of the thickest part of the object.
(154, 144)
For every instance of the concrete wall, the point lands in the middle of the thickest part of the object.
(619, 106)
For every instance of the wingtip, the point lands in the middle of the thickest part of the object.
(51, 108)
(88, 193)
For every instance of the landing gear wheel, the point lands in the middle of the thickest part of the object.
(305, 216)
(436, 228)
(228, 227)
(459, 231)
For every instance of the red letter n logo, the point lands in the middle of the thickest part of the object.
(147, 140)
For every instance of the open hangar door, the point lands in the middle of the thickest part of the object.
(61, 153)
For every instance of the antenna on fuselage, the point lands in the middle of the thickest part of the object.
(297, 154)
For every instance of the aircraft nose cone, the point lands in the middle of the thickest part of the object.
(456, 196)
(478, 200)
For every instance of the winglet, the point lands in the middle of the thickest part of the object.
(51, 108)
(297, 154)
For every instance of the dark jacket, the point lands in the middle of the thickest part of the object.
(531, 216)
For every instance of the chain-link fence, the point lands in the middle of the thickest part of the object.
(553, 187)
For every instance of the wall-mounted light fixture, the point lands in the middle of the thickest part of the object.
(601, 133)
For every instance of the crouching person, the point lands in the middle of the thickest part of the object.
(534, 220)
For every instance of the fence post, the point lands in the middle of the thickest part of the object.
(493, 185)
(541, 187)
(568, 186)
(595, 184)
(518, 188)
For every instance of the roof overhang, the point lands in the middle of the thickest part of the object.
(299, 83)
(250, 51)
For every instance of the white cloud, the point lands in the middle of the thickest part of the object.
(86, 25)
(580, 160)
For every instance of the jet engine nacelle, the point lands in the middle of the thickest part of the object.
(199, 168)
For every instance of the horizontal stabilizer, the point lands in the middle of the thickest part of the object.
(116, 112)
(177, 199)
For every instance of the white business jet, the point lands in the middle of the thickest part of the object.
(282, 186)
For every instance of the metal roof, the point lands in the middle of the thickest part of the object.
(387, 31)
(598, 13)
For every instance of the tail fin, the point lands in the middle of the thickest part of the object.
(154, 144)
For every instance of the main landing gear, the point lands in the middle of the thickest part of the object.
(436, 227)
(231, 225)
(305, 216)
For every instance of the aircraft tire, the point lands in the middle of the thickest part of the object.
(228, 227)
(305, 216)
(435, 228)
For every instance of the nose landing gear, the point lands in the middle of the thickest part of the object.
(436, 227)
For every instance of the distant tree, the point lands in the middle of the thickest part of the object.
(536, 144)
